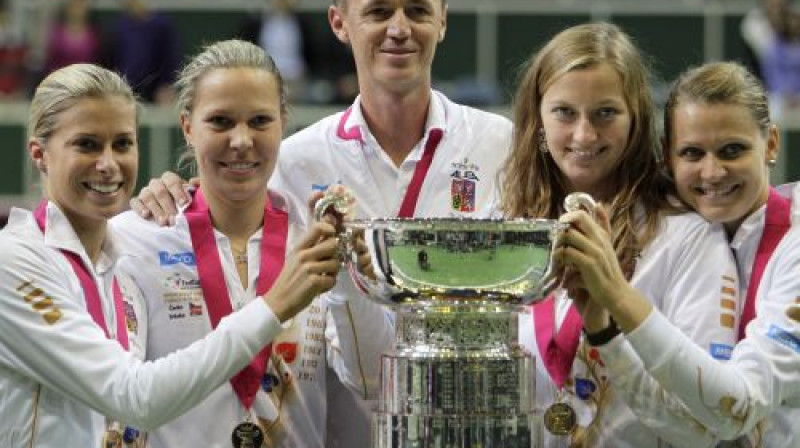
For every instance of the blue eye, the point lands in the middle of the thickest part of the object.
(607, 112)
(691, 153)
(261, 121)
(124, 144)
(731, 151)
(86, 144)
(219, 121)
(563, 112)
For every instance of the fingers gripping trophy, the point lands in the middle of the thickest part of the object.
(456, 376)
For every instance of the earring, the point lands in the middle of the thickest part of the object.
(543, 141)
(771, 163)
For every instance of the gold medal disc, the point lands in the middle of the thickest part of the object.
(560, 419)
(247, 435)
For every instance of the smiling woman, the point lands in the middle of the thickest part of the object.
(232, 111)
(583, 121)
(72, 338)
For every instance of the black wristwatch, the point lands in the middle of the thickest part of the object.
(603, 336)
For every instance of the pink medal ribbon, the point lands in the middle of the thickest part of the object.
(212, 279)
(557, 349)
(409, 203)
(90, 292)
(777, 222)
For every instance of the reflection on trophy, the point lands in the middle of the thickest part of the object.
(456, 376)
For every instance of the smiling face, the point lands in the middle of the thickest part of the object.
(719, 158)
(587, 123)
(89, 162)
(393, 41)
(235, 128)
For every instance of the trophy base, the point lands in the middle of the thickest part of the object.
(453, 431)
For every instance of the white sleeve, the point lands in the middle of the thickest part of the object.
(49, 337)
(763, 372)
(692, 271)
(358, 332)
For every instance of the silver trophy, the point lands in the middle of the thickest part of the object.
(456, 376)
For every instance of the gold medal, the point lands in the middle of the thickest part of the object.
(112, 439)
(560, 419)
(247, 435)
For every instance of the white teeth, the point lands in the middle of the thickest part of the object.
(585, 153)
(241, 165)
(717, 192)
(104, 188)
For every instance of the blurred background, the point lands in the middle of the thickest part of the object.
(477, 64)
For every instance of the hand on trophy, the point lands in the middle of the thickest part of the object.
(575, 243)
(309, 270)
(335, 206)
(599, 280)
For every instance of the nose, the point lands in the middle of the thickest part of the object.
(585, 131)
(712, 168)
(106, 161)
(399, 25)
(241, 137)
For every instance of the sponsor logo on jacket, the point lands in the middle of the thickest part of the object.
(177, 282)
(166, 259)
(721, 351)
(784, 337)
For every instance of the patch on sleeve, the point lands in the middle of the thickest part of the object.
(727, 320)
(784, 337)
(40, 302)
(131, 322)
(728, 303)
(721, 351)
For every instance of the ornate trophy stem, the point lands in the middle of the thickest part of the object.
(456, 376)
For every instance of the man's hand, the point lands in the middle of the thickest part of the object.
(160, 199)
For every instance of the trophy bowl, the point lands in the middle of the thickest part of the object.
(451, 261)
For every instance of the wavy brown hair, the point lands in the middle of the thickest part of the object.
(532, 184)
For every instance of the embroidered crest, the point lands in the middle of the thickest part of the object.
(463, 186)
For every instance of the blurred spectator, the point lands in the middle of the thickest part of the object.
(759, 29)
(317, 69)
(781, 63)
(285, 36)
(13, 56)
(73, 37)
(143, 46)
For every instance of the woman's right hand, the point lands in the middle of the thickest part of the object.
(160, 199)
(309, 270)
(587, 249)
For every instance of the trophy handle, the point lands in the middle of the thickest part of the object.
(580, 201)
(340, 201)
(573, 202)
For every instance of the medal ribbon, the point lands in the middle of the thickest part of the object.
(409, 203)
(777, 223)
(90, 292)
(558, 350)
(212, 279)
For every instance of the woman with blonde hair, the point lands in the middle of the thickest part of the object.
(225, 248)
(69, 367)
(583, 121)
